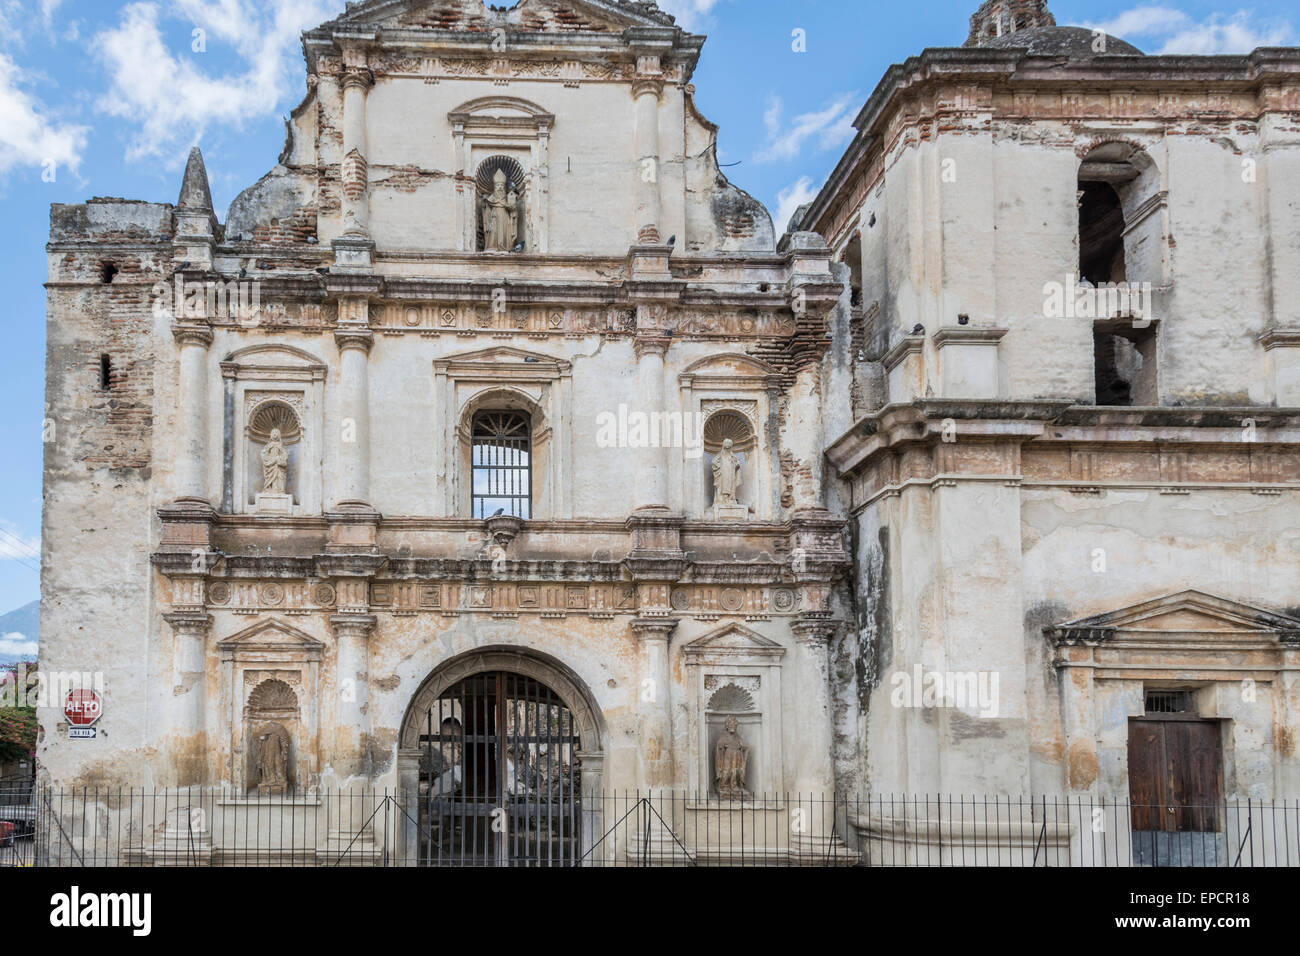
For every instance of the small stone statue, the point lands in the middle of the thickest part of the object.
(731, 759)
(500, 216)
(272, 761)
(275, 465)
(726, 476)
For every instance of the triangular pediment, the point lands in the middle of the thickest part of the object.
(734, 640)
(502, 355)
(534, 16)
(271, 635)
(1180, 614)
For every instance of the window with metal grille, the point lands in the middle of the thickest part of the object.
(1168, 702)
(501, 464)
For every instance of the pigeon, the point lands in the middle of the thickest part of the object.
(519, 246)
(243, 273)
(499, 512)
(672, 241)
(918, 329)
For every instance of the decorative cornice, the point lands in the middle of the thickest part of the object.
(200, 335)
(361, 339)
(966, 335)
(362, 625)
(654, 628)
(1280, 338)
(908, 345)
(1063, 636)
(814, 631)
(357, 76)
(189, 621)
(644, 345)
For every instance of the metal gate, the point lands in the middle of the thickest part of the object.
(499, 775)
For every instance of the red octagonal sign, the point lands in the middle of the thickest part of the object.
(82, 707)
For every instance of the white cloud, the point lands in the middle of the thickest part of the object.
(690, 14)
(791, 198)
(1169, 30)
(48, 8)
(28, 135)
(170, 96)
(831, 127)
(17, 645)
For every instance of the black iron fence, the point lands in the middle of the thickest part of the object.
(214, 827)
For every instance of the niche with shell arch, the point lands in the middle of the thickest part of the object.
(728, 701)
(734, 426)
(267, 418)
(509, 134)
(729, 396)
(273, 725)
(270, 386)
(502, 188)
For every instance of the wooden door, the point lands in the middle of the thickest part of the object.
(1175, 772)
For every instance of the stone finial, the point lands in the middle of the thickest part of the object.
(196, 196)
(998, 18)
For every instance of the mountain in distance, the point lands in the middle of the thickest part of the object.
(24, 621)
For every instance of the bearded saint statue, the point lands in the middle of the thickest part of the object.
(731, 760)
(500, 216)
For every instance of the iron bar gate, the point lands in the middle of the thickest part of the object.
(500, 776)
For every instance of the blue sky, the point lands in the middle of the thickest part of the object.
(105, 98)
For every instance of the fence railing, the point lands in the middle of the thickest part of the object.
(215, 827)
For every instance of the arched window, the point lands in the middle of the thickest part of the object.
(501, 473)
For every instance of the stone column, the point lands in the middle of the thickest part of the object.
(652, 471)
(354, 409)
(646, 90)
(356, 81)
(189, 698)
(192, 420)
(352, 692)
(654, 721)
(814, 761)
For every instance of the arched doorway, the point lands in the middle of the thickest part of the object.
(502, 742)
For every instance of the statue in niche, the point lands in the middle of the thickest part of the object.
(500, 212)
(275, 465)
(726, 476)
(731, 762)
(273, 760)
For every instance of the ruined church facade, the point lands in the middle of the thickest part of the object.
(474, 453)
(496, 450)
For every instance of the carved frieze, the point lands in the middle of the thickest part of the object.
(449, 598)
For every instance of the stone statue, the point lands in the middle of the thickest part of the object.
(275, 465)
(731, 759)
(273, 760)
(500, 216)
(726, 476)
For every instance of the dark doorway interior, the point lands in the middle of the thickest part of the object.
(499, 775)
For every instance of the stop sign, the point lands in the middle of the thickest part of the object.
(82, 707)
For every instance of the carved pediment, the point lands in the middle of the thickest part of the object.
(498, 361)
(735, 642)
(730, 368)
(272, 636)
(1185, 615)
(538, 16)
